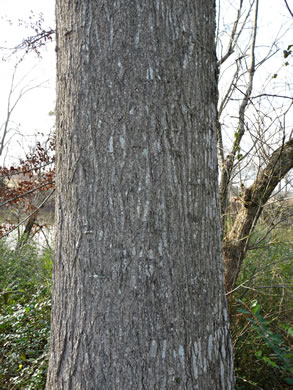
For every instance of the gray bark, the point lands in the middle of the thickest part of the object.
(139, 299)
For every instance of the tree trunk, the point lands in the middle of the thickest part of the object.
(24, 237)
(139, 300)
(235, 244)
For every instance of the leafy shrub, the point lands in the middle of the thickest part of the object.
(261, 318)
(274, 349)
(25, 303)
(24, 268)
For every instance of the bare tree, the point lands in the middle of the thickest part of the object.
(12, 102)
(257, 120)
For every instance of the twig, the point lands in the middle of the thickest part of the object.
(26, 193)
(291, 13)
(26, 218)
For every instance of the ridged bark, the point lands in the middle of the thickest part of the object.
(139, 299)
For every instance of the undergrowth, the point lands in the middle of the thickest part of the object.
(25, 302)
(261, 316)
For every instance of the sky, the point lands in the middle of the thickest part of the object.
(31, 114)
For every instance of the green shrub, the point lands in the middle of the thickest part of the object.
(261, 318)
(274, 349)
(25, 267)
(25, 302)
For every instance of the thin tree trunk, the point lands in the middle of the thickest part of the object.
(228, 165)
(254, 198)
(139, 300)
(24, 237)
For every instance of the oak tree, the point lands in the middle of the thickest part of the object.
(138, 296)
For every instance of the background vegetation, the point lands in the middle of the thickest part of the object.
(261, 311)
(25, 303)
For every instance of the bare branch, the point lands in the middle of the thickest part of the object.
(265, 95)
(12, 105)
(291, 13)
(234, 35)
(29, 216)
(27, 193)
(229, 162)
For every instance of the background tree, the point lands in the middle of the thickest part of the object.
(253, 129)
(138, 291)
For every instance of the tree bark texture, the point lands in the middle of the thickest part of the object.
(235, 244)
(139, 299)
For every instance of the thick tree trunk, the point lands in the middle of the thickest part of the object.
(254, 198)
(139, 300)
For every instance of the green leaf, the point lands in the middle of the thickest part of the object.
(290, 331)
(258, 354)
(276, 338)
(255, 310)
(243, 311)
(269, 361)
(289, 381)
